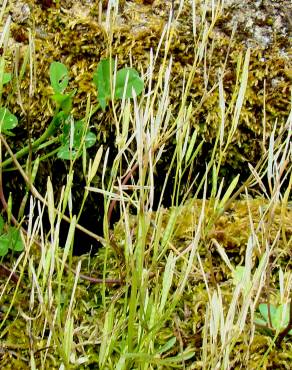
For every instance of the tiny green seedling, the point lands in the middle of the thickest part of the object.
(277, 320)
(59, 77)
(8, 121)
(10, 239)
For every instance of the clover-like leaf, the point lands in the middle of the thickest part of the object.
(4, 245)
(10, 240)
(58, 77)
(78, 133)
(15, 241)
(65, 152)
(64, 101)
(278, 321)
(127, 80)
(6, 78)
(102, 80)
(264, 310)
(90, 139)
(7, 120)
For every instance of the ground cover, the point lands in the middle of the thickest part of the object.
(196, 272)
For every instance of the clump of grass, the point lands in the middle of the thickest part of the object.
(164, 291)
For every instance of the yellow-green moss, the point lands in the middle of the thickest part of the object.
(79, 41)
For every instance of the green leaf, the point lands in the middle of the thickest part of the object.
(79, 131)
(15, 241)
(278, 323)
(4, 245)
(89, 140)
(263, 308)
(102, 81)
(259, 321)
(64, 101)
(58, 120)
(6, 78)
(59, 77)
(7, 120)
(167, 346)
(276, 316)
(238, 274)
(2, 223)
(128, 79)
(66, 153)
(8, 133)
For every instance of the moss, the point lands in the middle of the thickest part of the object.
(80, 42)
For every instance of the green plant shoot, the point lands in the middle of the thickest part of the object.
(10, 239)
(279, 317)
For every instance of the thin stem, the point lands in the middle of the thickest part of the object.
(34, 145)
(15, 277)
(37, 195)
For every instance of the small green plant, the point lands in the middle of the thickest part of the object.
(274, 318)
(8, 121)
(10, 239)
(127, 80)
(72, 132)
(75, 135)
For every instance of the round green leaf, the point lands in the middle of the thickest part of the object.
(128, 79)
(277, 320)
(66, 153)
(78, 133)
(59, 77)
(4, 245)
(90, 139)
(7, 120)
(263, 308)
(15, 241)
(6, 78)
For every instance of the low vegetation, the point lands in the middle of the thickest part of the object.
(202, 284)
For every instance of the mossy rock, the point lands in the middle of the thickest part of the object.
(73, 34)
